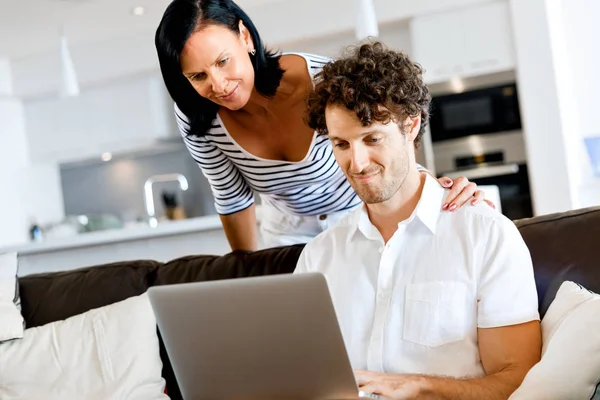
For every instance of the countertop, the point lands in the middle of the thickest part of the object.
(164, 228)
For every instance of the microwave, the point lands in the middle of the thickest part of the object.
(492, 109)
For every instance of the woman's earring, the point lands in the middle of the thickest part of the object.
(253, 52)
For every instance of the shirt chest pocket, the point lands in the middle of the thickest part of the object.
(435, 313)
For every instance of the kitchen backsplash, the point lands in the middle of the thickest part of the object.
(117, 187)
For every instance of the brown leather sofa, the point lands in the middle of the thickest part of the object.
(564, 246)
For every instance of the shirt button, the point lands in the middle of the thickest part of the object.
(381, 249)
(322, 217)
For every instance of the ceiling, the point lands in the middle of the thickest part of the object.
(32, 26)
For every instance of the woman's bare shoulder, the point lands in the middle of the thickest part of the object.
(296, 67)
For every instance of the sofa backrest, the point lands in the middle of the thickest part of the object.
(56, 296)
(238, 264)
(563, 246)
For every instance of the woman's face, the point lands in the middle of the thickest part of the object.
(215, 60)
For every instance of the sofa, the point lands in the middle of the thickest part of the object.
(563, 246)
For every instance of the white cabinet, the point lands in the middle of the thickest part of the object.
(123, 116)
(464, 42)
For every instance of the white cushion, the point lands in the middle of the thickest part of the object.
(570, 364)
(11, 321)
(107, 353)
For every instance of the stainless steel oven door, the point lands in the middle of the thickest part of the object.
(512, 181)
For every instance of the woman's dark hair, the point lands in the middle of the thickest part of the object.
(368, 77)
(181, 19)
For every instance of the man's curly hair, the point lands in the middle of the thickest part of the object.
(376, 83)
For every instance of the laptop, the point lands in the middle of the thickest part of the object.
(268, 337)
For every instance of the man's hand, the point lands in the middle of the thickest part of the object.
(393, 386)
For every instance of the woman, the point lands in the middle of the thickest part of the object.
(240, 110)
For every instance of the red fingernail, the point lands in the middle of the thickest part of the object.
(445, 206)
(448, 183)
(453, 207)
(473, 202)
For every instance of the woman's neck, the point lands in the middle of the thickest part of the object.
(291, 81)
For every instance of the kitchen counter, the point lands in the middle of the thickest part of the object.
(168, 241)
(164, 228)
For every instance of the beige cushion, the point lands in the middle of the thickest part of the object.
(11, 321)
(570, 364)
(107, 353)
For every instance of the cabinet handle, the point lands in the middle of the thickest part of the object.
(484, 63)
(485, 172)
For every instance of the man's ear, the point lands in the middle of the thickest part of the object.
(246, 37)
(414, 125)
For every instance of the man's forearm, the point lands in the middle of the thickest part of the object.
(497, 386)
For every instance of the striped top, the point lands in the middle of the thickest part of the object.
(315, 185)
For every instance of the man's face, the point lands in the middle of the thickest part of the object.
(376, 158)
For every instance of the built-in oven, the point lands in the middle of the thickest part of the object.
(475, 112)
(477, 134)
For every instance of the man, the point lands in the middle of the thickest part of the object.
(431, 304)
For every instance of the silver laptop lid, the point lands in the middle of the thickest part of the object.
(268, 337)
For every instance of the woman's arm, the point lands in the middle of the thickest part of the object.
(234, 199)
(240, 229)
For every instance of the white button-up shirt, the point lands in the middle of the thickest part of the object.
(413, 305)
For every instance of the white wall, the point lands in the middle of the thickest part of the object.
(582, 32)
(42, 192)
(13, 161)
(558, 77)
(545, 97)
(6, 84)
(30, 192)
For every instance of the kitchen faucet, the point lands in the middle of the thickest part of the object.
(149, 194)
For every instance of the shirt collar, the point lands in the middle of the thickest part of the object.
(427, 211)
(429, 207)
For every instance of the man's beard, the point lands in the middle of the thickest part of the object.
(381, 189)
(374, 193)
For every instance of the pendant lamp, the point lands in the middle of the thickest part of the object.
(366, 20)
(69, 84)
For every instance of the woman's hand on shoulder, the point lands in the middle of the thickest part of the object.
(462, 192)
